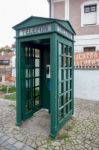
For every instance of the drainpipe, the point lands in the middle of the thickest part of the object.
(49, 1)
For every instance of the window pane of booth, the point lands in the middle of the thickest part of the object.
(60, 49)
(37, 72)
(37, 82)
(37, 53)
(37, 100)
(37, 62)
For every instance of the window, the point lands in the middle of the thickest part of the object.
(90, 8)
(4, 62)
(89, 13)
(89, 49)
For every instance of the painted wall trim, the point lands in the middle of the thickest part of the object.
(52, 10)
(67, 9)
(95, 36)
(55, 1)
(52, 7)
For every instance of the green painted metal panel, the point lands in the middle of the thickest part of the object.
(66, 25)
(53, 94)
(32, 21)
(73, 77)
(18, 85)
(35, 38)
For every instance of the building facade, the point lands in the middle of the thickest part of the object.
(84, 17)
(7, 67)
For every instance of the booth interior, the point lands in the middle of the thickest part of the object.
(37, 73)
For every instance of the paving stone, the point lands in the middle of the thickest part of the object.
(2, 148)
(95, 148)
(44, 146)
(1, 134)
(19, 145)
(38, 143)
(34, 145)
(3, 139)
(8, 146)
(41, 148)
(27, 148)
(12, 141)
(82, 130)
(4, 144)
(29, 141)
(13, 148)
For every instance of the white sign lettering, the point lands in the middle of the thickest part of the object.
(35, 30)
(64, 32)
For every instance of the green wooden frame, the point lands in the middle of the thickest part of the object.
(35, 30)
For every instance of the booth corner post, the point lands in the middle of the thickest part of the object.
(54, 83)
(73, 76)
(18, 85)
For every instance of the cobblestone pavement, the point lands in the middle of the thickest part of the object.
(80, 133)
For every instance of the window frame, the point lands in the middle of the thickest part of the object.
(89, 49)
(4, 62)
(90, 8)
(89, 3)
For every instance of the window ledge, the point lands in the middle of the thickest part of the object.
(90, 25)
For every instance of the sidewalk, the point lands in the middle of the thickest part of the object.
(80, 133)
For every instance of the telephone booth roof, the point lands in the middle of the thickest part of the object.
(39, 25)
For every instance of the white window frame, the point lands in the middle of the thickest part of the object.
(89, 7)
(90, 2)
(66, 8)
(52, 6)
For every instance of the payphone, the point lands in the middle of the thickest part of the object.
(48, 76)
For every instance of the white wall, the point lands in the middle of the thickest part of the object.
(86, 41)
(13, 59)
(13, 72)
(86, 84)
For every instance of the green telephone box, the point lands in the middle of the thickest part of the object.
(45, 70)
